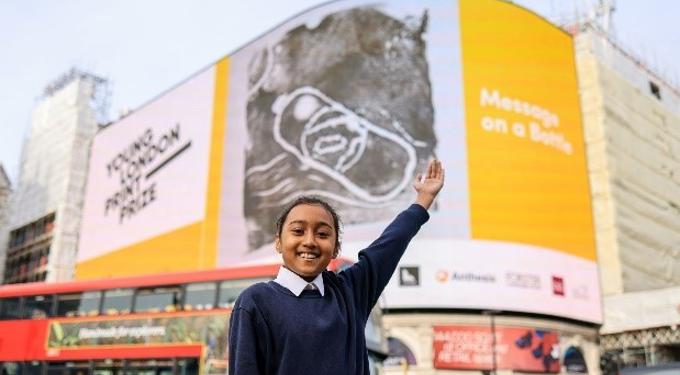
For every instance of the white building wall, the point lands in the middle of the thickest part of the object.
(639, 310)
(633, 143)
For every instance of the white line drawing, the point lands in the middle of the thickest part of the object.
(266, 166)
(322, 114)
(280, 186)
(266, 54)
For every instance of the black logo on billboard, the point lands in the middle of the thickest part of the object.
(135, 166)
(409, 276)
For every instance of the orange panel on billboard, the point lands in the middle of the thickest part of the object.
(527, 168)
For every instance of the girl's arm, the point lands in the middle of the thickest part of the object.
(429, 184)
(244, 354)
(369, 276)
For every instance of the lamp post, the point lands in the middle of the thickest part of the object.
(492, 315)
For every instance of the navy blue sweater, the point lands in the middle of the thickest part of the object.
(274, 332)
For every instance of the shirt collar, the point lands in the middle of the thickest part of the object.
(291, 281)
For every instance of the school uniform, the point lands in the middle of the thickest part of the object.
(287, 327)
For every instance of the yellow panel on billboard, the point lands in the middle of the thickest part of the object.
(175, 251)
(527, 169)
(208, 256)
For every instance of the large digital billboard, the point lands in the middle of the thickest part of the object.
(349, 101)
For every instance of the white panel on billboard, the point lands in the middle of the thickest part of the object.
(494, 275)
(149, 172)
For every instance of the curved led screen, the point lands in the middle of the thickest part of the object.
(349, 101)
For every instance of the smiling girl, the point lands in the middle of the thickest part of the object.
(309, 320)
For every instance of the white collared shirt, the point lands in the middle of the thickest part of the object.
(291, 281)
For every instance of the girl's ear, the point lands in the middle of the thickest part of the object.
(277, 244)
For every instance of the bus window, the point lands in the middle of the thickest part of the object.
(78, 304)
(150, 367)
(188, 367)
(33, 368)
(11, 368)
(108, 367)
(117, 301)
(37, 306)
(68, 368)
(230, 289)
(158, 299)
(200, 296)
(10, 308)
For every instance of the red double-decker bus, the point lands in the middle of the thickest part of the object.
(151, 325)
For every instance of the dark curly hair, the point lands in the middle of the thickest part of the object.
(314, 201)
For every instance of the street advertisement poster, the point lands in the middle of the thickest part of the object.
(469, 347)
(146, 188)
(203, 329)
(349, 101)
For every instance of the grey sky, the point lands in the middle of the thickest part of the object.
(145, 47)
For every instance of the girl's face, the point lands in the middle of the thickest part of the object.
(307, 240)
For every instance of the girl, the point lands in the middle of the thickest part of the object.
(309, 320)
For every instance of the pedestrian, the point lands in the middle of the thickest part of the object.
(309, 320)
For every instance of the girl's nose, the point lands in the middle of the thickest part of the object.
(309, 240)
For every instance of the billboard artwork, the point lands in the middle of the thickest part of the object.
(348, 101)
(339, 103)
(323, 114)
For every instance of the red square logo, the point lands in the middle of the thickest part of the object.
(558, 286)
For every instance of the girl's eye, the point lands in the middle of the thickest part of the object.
(297, 231)
(324, 234)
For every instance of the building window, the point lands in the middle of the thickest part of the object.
(655, 90)
(28, 252)
(399, 354)
(574, 361)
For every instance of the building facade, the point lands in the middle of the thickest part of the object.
(631, 121)
(44, 211)
(5, 191)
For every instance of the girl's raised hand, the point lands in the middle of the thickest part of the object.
(428, 185)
